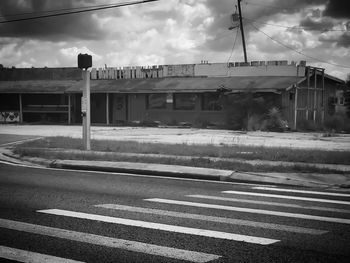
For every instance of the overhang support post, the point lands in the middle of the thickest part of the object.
(20, 109)
(107, 108)
(295, 106)
(308, 95)
(69, 109)
(315, 96)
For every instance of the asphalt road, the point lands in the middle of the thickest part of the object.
(65, 215)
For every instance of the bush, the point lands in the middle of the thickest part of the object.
(275, 122)
(338, 123)
(245, 110)
(255, 123)
(308, 125)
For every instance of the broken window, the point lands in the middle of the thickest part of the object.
(211, 102)
(156, 101)
(185, 101)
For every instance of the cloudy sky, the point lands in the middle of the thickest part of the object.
(176, 32)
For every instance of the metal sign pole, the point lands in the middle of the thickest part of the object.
(86, 111)
(85, 62)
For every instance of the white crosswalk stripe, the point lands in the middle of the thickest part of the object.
(216, 219)
(318, 208)
(289, 197)
(134, 246)
(163, 227)
(299, 191)
(250, 210)
(216, 222)
(31, 257)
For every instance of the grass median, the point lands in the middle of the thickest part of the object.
(210, 156)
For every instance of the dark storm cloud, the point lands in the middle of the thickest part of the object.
(338, 9)
(61, 28)
(344, 40)
(341, 41)
(316, 25)
(258, 12)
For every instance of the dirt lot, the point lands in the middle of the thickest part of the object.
(339, 142)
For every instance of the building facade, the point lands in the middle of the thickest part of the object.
(190, 94)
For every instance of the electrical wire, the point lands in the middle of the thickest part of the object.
(299, 52)
(53, 11)
(233, 46)
(78, 11)
(292, 27)
(273, 6)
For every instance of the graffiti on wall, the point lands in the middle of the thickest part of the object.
(9, 116)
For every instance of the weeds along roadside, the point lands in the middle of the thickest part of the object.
(202, 154)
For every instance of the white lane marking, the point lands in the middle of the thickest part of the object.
(319, 208)
(133, 246)
(299, 191)
(163, 227)
(249, 210)
(216, 219)
(31, 257)
(124, 174)
(289, 197)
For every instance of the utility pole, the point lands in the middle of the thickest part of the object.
(242, 30)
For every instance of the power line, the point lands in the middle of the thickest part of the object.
(233, 46)
(53, 11)
(299, 52)
(273, 6)
(77, 12)
(292, 27)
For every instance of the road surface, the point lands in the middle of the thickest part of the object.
(70, 216)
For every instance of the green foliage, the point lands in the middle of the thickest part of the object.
(247, 110)
(275, 121)
(308, 125)
(338, 123)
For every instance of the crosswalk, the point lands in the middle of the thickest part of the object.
(239, 209)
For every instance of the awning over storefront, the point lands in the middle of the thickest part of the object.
(160, 85)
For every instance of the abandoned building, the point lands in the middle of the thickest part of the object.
(169, 94)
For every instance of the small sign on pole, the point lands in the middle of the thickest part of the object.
(83, 105)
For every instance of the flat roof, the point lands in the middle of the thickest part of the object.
(156, 85)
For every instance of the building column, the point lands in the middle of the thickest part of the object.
(296, 107)
(315, 96)
(20, 109)
(69, 109)
(107, 108)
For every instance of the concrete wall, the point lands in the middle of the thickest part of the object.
(40, 74)
(225, 70)
(254, 68)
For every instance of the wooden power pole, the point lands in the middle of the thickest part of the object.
(242, 30)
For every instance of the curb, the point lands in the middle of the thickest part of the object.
(145, 169)
(173, 171)
(84, 154)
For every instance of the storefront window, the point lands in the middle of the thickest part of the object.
(185, 101)
(211, 102)
(156, 101)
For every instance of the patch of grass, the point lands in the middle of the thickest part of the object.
(193, 162)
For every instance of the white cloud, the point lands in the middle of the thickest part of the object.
(73, 52)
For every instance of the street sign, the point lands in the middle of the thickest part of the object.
(83, 105)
